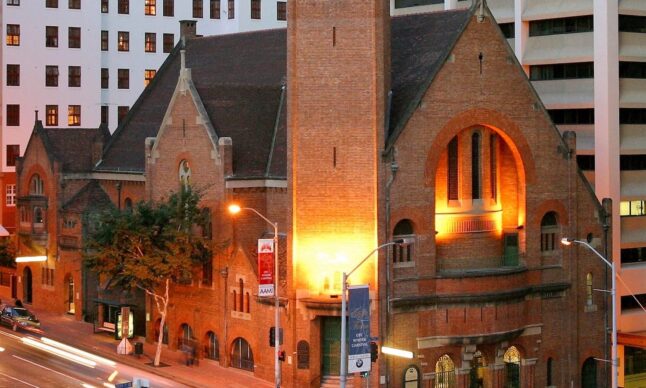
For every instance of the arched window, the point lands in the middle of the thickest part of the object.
(476, 181)
(211, 346)
(549, 230)
(235, 300)
(493, 165)
(589, 374)
(403, 253)
(184, 173)
(38, 215)
(185, 334)
(36, 186)
(303, 355)
(164, 335)
(476, 374)
(241, 302)
(445, 372)
(588, 289)
(127, 203)
(452, 179)
(241, 354)
(550, 366)
(247, 302)
(512, 368)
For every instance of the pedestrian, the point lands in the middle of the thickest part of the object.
(184, 347)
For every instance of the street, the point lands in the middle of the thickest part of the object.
(32, 361)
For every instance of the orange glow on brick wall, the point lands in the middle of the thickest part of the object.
(451, 223)
(320, 260)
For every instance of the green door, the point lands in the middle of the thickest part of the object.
(510, 253)
(330, 346)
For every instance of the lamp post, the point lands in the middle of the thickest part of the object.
(234, 209)
(343, 307)
(615, 360)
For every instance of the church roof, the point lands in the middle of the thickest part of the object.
(239, 78)
(72, 147)
(91, 196)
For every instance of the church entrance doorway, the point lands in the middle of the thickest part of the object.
(330, 346)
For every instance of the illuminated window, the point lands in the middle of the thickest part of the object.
(588, 289)
(123, 41)
(232, 9)
(13, 35)
(51, 75)
(184, 173)
(74, 115)
(149, 74)
(51, 36)
(13, 152)
(36, 186)
(445, 373)
(255, 9)
(150, 43)
(512, 368)
(123, 78)
(74, 37)
(74, 76)
(632, 208)
(123, 7)
(197, 8)
(105, 5)
(281, 10)
(549, 230)
(169, 7)
(169, 42)
(105, 77)
(150, 7)
(452, 181)
(10, 195)
(104, 40)
(477, 371)
(13, 115)
(13, 75)
(214, 7)
(51, 115)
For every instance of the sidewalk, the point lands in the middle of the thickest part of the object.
(64, 328)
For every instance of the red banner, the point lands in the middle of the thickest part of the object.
(265, 267)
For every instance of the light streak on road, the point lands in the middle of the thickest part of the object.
(23, 382)
(85, 385)
(59, 352)
(48, 369)
(113, 375)
(78, 352)
(107, 385)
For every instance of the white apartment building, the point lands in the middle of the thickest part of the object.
(587, 61)
(85, 62)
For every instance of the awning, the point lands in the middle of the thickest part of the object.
(3, 232)
(636, 340)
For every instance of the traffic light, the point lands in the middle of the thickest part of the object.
(281, 355)
(374, 351)
(272, 336)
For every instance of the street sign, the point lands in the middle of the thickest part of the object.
(127, 384)
(359, 329)
(265, 267)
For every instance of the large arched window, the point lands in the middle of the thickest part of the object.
(476, 155)
(549, 230)
(445, 372)
(185, 334)
(512, 367)
(589, 373)
(36, 186)
(452, 179)
(241, 354)
(403, 253)
(211, 346)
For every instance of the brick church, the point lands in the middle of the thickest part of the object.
(349, 129)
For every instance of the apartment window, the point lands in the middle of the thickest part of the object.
(150, 7)
(150, 44)
(104, 40)
(51, 115)
(232, 9)
(149, 74)
(10, 190)
(51, 3)
(74, 37)
(572, 116)
(123, 78)
(74, 115)
(105, 115)
(51, 36)
(214, 7)
(561, 71)
(197, 8)
(105, 6)
(632, 70)
(74, 4)
(13, 35)
(508, 30)
(281, 10)
(255, 9)
(632, 208)
(13, 75)
(585, 162)
(561, 26)
(13, 2)
(628, 302)
(169, 7)
(632, 116)
(169, 42)
(122, 111)
(13, 151)
(633, 255)
(13, 115)
(123, 41)
(123, 7)
(632, 162)
(51, 75)
(105, 77)
(631, 23)
(74, 76)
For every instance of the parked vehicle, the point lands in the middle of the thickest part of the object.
(19, 318)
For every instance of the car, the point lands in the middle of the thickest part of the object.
(19, 318)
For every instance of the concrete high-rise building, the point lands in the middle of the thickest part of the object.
(587, 61)
(82, 63)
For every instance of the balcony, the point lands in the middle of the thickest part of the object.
(481, 266)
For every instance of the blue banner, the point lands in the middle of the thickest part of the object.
(359, 329)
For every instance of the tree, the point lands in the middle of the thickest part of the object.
(150, 246)
(7, 252)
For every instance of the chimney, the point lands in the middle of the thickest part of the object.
(187, 29)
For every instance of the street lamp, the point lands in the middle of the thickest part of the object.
(615, 359)
(235, 209)
(343, 307)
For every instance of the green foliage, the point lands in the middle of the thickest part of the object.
(7, 253)
(144, 246)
